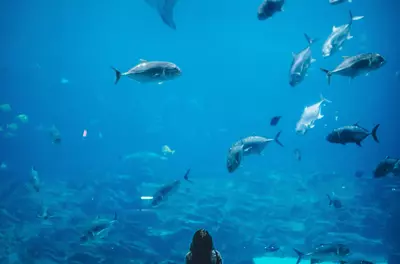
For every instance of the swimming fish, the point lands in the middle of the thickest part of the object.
(98, 229)
(338, 36)
(268, 8)
(275, 120)
(386, 166)
(335, 202)
(324, 252)
(351, 134)
(300, 63)
(150, 72)
(167, 150)
(309, 116)
(162, 194)
(356, 65)
(234, 158)
(256, 144)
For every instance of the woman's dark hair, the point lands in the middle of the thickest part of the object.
(201, 247)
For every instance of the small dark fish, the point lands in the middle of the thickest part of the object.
(359, 173)
(275, 120)
(297, 154)
(351, 134)
(335, 202)
(268, 8)
(272, 248)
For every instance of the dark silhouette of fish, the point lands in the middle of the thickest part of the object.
(335, 202)
(275, 120)
(165, 9)
(162, 194)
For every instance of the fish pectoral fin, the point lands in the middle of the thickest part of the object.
(320, 116)
(349, 36)
(359, 144)
(160, 83)
(313, 60)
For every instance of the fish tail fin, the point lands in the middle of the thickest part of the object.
(276, 139)
(323, 99)
(115, 216)
(117, 75)
(167, 13)
(310, 40)
(354, 18)
(186, 176)
(373, 133)
(328, 74)
(299, 254)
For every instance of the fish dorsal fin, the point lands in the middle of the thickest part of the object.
(345, 57)
(387, 157)
(142, 60)
(293, 54)
(334, 29)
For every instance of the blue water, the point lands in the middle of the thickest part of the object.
(235, 78)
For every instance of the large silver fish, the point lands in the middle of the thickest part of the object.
(256, 144)
(165, 9)
(356, 65)
(324, 252)
(300, 64)
(150, 72)
(338, 36)
(310, 114)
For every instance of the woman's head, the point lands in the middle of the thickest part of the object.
(202, 241)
